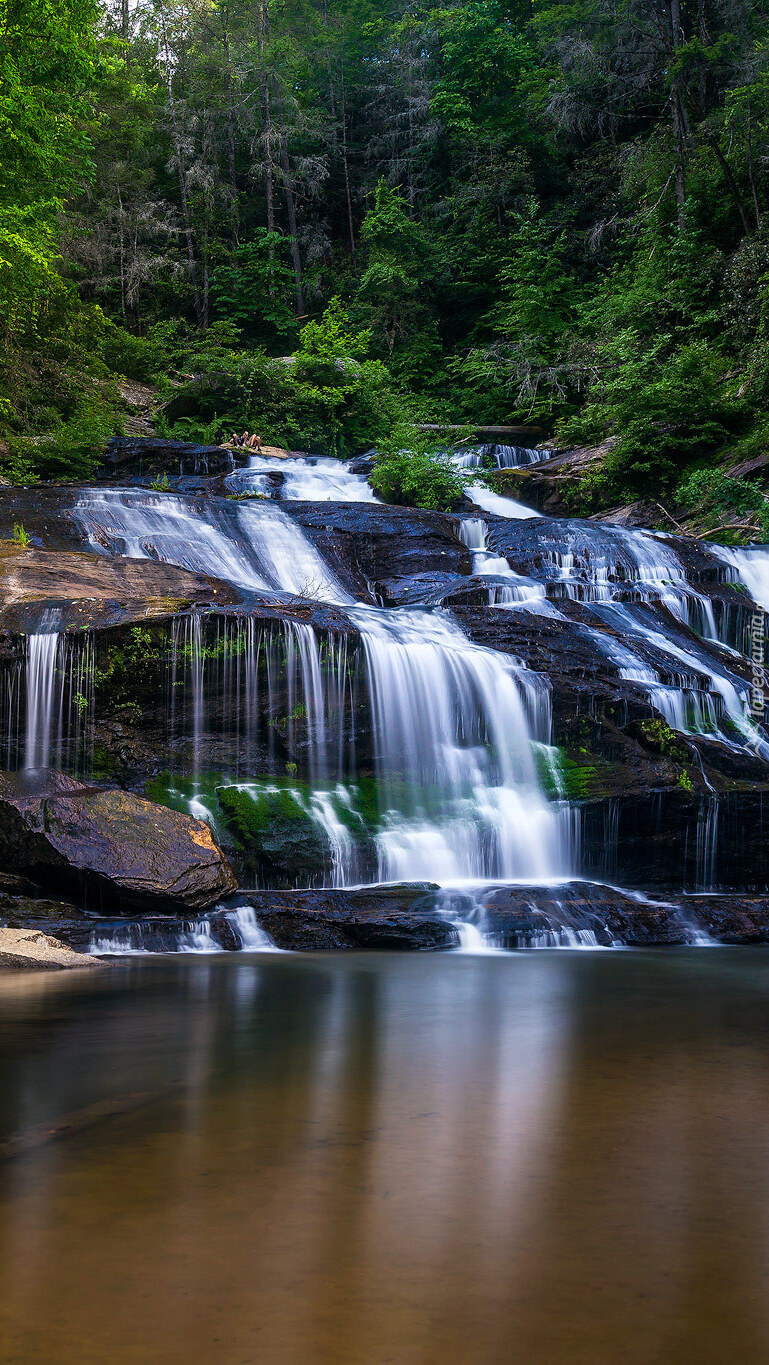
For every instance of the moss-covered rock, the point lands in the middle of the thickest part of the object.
(275, 835)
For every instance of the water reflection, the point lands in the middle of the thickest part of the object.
(423, 1159)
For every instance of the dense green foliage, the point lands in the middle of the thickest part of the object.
(480, 211)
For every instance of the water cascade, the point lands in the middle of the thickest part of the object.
(409, 752)
(454, 726)
(504, 457)
(313, 478)
(517, 589)
(254, 546)
(42, 652)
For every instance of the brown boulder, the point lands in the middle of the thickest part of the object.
(90, 589)
(112, 847)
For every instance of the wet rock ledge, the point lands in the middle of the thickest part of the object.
(405, 918)
(108, 848)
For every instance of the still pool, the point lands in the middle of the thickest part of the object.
(423, 1160)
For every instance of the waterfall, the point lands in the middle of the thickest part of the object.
(496, 504)
(504, 457)
(517, 590)
(254, 546)
(454, 726)
(313, 478)
(42, 654)
(410, 752)
(751, 567)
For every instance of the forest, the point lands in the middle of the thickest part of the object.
(332, 220)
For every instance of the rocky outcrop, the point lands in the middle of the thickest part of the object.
(368, 544)
(129, 455)
(87, 590)
(386, 917)
(109, 847)
(32, 950)
(551, 485)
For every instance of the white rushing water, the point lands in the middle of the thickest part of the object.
(42, 654)
(494, 502)
(516, 589)
(751, 567)
(313, 478)
(503, 456)
(454, 726)
(252, 545)
(457, 734)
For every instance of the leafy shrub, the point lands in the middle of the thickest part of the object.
(71, 451)
(716, 493)
(411, 470)
(666, 408)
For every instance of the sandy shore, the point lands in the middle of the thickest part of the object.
(31, 950)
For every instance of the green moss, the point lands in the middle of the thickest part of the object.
(658, 736)
(563, 777)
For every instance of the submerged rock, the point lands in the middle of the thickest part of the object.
(111, 847)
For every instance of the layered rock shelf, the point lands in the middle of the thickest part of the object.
(235, 687)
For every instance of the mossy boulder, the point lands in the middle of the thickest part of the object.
(274, 834)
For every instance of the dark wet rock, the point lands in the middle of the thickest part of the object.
(110, 847)
(87, 590)
(664, 839)
(126, 455)
(428, 589)
(388, 917)
(369, 543)
(363, 464)
(582, 913)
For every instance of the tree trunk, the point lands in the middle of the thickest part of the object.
(730, 180)
(678, 115)
(346, 166)
(231, 136)
(180, 169)
(751, 176)
(122, 255)
(290, 201)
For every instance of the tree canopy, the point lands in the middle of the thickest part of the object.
(550, 213)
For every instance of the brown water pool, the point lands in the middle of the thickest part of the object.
(423, 1160)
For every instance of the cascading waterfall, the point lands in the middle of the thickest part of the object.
(454, 733)
(504, 457)
(313, 478)
(751, 568)
(454, 726)
(254, 546)
(56, 687)
(517, 590)
(42, 653)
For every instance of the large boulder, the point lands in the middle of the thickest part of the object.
(111, 847)
(127, 455)
(87, 590)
